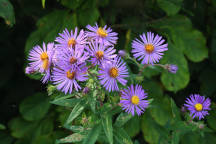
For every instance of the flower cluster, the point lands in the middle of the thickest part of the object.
(68, 61)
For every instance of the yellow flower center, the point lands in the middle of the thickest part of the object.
(99, 54)
(70, 75)
(73, 60)
(113, 72)
(101, 32)
(44, 57)
(72, 42)
(149, 48)
(198, 106)
(135, 100)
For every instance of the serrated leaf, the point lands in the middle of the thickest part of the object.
(93, 134)
(77, 110)
(76, 129)
(108, 129)
(121, 136)
(76, 137)
(7, 12)
(34, 107)
(171, 7)
(66, 102)
(122, 119)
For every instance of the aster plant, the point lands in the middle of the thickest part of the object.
(84, 67)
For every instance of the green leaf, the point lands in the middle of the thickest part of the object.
(195, 45)
(175, 82)
(162, 111)
(132, 127)
(76, 137)
(66, 102)
(7, 12)
(122, 119)
(34, 107)
(2, 127)
(20, 128)
(171, 7)
(108, 129)
(88, 16)
(76, 129)
(152, 132)
(43, 3)
(72, 4)
(5, 138)
(121, 136)
(153, 88)
(77, 110)
(44, 139)
(93, 134)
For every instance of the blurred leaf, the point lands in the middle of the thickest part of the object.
(45, 139)
(171, 7)
(49, 26)
(152, 132)
(2, 127)
(77, 110)
(211, 120)
(76, 137)
(108, 129)
(162, 111)
(122, 119)
(5, 138)
(7, 12)
(121, 136)
(132, 127)
(175, 110)
(34, 107)
(93, 134)
(72, 4)
(153, 89)
(88, 16)
(175, 82)
(20, 128)
(43, 3)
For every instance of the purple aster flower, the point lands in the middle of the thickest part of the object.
(112, 72)
(171, 68)
(198, 106)
(67, 40)
(66, 77)
(41, 59)
(150, 49)
(100, 53)
(133, 99)
(103, 35)
(73, 57)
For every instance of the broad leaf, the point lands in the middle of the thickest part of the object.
(7, 12)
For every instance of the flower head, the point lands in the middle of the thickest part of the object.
(68, 40)
(100, 53)
(198, 106)
(103, 35)
(66, 77)
(112, 72)
(73, 57)
(150, 49)
(133, 99)
(41, 59)
(171, 68)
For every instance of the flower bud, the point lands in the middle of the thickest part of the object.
(122, 53)
(171, 68)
